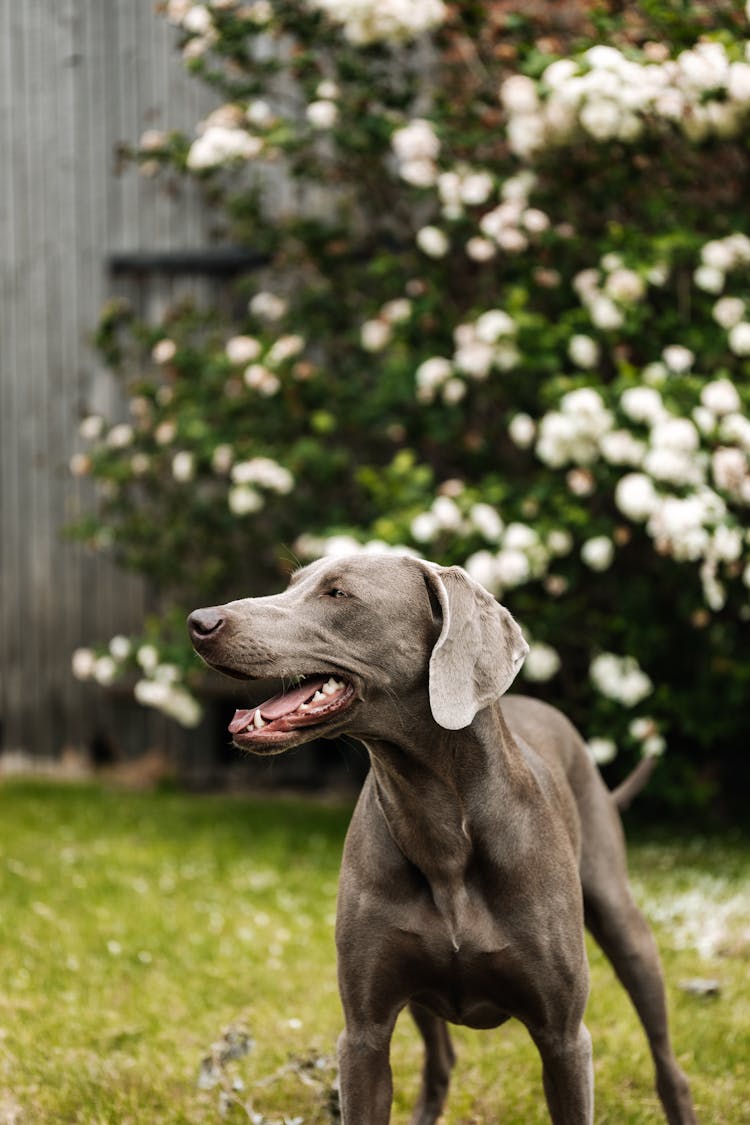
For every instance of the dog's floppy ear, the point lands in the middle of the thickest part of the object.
(478, 653)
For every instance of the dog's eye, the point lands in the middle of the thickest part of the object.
(337, 592)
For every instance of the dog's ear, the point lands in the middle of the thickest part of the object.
(478, 653)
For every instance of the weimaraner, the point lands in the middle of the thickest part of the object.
(483, 837)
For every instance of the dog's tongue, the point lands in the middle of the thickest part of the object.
(282, 704)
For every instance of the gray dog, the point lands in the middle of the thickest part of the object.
(483, 838)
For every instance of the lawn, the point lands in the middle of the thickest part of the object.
(169, 958)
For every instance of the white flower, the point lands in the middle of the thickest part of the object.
(260, 379)
(678, 358)
(120, 647)
(165, 432)
(729, 311)
(420, 173)
(602, 118)
(560, 542)
(476, 188)
(322, 114)
(739, 338)
(148, 658)
(624, 285)
(374, 335)
(220, 144)
(636, 496)
(447, 513)
(453, 391)
(602, 750)
(518, 95)
(222, 458)
(520, 537)
(487, 522)
(675, 433)
(598, 552)
(583, 351)
(424, 527)
(389, 21)
(243, 500)
(183, 466)
(535, 221)
(734, 428)
(120, 436)
(654, 746)
(475, 358)
(197, 20)
(416, 141)
(284, 348)
(522, 430)
(327, 89)
(620, 447)
(265, 472)
(82, 663)
(242, 349)
(91, 427)
(432, 241)
(641, 728)
(79, 464)
(482, 567)
(542, 662)
(105, 670)
(512, 567)
(397, 310)
(721, 397)
(730, 469)
(620, 678)
(558, 73)
(259, 113)
(164, 351)
(267, 305)
(709, 279)
(605, 313)
(431, 374)
(491, 325)
(642, 404)
(480, 249)
(726, 543)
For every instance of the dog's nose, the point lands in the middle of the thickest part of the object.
(204, 623)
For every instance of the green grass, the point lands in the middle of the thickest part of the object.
(136, 928)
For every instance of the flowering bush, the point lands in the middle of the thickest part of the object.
(505, 324)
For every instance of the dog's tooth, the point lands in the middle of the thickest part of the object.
(258, 720)
(329, 687)
(318, 696)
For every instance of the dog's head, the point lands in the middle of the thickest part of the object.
(362, 644)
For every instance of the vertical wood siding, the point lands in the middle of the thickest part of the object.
(76, 78)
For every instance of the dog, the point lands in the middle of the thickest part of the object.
(483, 839)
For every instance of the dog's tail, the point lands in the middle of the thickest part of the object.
(624, 793)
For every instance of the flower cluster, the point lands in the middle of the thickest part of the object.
(376, 21)
(466, 289)
(224, 138)
(481, 346)
(604, 95)
(160, 683)
(620, 678)
(249, 477)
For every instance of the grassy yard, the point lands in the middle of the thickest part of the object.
(144, 936)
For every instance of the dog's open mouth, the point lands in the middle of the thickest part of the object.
(311, 703)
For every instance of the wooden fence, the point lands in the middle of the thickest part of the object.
(77, 77)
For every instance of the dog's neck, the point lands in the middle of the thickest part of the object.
(443, 795)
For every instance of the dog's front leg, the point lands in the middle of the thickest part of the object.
(568, 1075)
(365, 1083)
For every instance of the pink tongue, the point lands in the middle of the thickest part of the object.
(279, 705)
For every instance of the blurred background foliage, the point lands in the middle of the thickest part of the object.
(501, 321)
